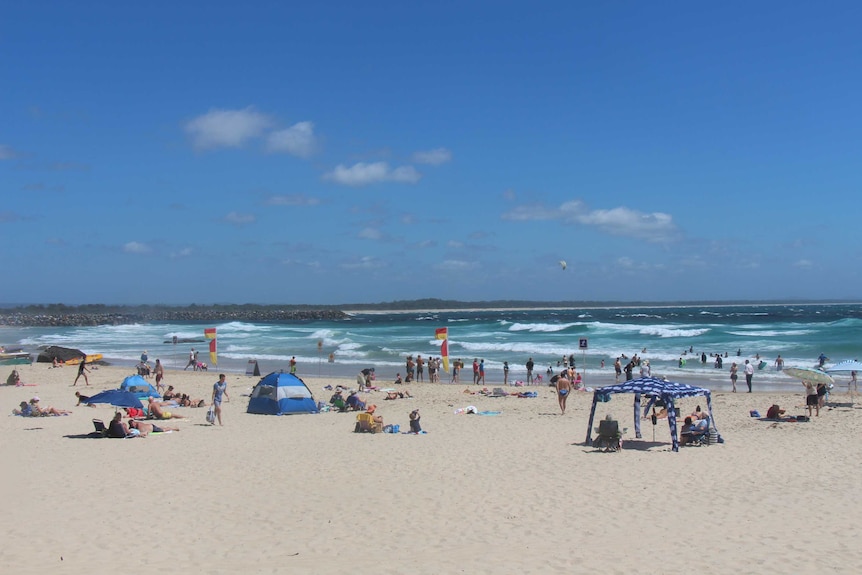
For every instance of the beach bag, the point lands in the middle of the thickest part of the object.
(211, 416)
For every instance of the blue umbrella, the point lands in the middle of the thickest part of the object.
(117, 398)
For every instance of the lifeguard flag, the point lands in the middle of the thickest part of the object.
(210, 334)
(444, 353)
(442, 333)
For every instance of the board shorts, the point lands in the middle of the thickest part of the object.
(811, 400)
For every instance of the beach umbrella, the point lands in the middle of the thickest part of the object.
(117, 398)
(845, 366)
(810, 375)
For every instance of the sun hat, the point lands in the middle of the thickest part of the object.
(34, 399)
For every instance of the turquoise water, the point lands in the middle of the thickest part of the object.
(799, 333)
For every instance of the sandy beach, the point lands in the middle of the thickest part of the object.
(517, 492)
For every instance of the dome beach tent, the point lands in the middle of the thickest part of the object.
(140, 387)
(655, 389)
(281, 393)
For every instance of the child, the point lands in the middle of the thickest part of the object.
(414, 422)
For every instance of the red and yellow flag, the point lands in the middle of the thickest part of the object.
(210, 334)
(443, 333)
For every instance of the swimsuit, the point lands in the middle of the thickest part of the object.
(157, 429)
(564, 391)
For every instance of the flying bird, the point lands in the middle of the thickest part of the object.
(563, 264)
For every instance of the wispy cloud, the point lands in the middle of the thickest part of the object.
(7, 153)
(803, 264)
(433, 157)
(364, 263)
(182, 253)
(455, 266)
(136, 248)
(370, 234)
(239, 219)
(654, 227)
(292, 200)
(226, 128)
(297, 140)
(362, 174)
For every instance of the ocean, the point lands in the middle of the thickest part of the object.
(662, 334)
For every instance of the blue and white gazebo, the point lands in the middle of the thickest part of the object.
(655, 389)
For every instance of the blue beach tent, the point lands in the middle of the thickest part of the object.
(140, 387)
(654, 389)
(281, 393)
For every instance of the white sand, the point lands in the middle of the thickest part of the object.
(515, 493)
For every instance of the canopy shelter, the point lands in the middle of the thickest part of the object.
(655, 389)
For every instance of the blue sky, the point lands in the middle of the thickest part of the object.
(347, 152)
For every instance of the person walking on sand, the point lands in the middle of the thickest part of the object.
(529, 365)
(564, 388)
(293, 365)
(192, 361)
(82, 370)
(219, 391)
(749, 373)
(733, 375)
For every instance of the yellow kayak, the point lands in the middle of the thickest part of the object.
(90, 359)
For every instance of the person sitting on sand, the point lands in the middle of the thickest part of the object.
(57, 362)
(14, 378)
(146, 428)
(170, 393)
(398, 379)
(685, 432)
(117, 429)
(774, 412)
(159, 413)
(24, 409)
(34, 405)
(354, 403)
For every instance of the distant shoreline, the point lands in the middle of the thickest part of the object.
(60, 315)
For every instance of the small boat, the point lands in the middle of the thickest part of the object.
(15, 358)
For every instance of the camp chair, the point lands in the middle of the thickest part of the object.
(608, 436)
(365, 423)
(697, 437)
(339, 404)
(100, 427)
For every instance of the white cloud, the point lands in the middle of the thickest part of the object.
(226, 128)
(655, 227)
(136, 248)
(297, 140)
(433, 157)
(6, 152)
(364, 263)
(370, 234)
(803, 264)
(183, 253)
(362, 174)
(454, 244)
(292, 200)
(455, 266)
(239, 219)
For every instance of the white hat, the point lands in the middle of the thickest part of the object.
(35, 399)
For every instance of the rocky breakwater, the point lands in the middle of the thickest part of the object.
(21, 318)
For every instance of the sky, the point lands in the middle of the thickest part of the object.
(366, 152)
